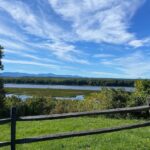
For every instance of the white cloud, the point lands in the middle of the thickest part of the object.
(31, 22)
(29, 63)
(21, 14)
(40, 26)
(10, 32)
(134, 65)
(103, 55)
(139, 43)
(106, 74)
(14, 44)
(66, 52)
(91, 20)
(99, 20)
(32, 56)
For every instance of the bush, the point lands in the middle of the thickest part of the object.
(106, 99)
(39, 106)
(13, 102)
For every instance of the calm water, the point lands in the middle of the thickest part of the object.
(77, 98)
(71, 87)
(22, 97)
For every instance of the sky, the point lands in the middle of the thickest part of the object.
(90, 38)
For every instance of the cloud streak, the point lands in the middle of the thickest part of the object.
(32, 24)
(135, 65)
(29, 63)
(100, 20)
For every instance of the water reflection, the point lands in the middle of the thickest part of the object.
(78, 97)
(25, 97)
(22, 97)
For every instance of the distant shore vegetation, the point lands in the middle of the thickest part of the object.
(71, 81)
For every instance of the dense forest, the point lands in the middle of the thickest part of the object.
(71, 81)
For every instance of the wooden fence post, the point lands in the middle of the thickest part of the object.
(148, 103)
(13, 128)
(148, 100)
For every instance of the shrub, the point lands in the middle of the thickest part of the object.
(106, 99)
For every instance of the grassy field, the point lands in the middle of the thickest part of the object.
(47, 92)
(135, 139)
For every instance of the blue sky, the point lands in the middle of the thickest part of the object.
(93, 38)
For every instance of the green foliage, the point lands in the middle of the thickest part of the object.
(142, 86)
(66, 106)
(2, 92)
(47, 92)
(1, 55)
(13, 102)
(140, 96)
(142, 92)
(106, 99)
(137, 99)
(39, 106)
(111, 98)
(71, 81)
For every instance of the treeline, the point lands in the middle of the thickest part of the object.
(71, 81)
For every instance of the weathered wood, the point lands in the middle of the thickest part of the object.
(2, 144)
(3, 121)
(13, 128)
(82, 133)
(148, 100)
(80, 114)
(148, 103)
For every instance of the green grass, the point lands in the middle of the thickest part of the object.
(135, 139)
(47, 92)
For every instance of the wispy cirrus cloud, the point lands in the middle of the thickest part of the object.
(107, 74)
(29, 63)
(66, 52)
(100, 20)
(139, 43)
(54, 33)
(135, 65)
(33, 24)
(101, 55)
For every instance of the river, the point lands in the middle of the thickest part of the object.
(71, 87)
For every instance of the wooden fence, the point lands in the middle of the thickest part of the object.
(13, 119)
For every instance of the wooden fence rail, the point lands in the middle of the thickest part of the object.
(13, 120)
(81, 114)
(3, 121)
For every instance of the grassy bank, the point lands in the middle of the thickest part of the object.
(47, 92)
(136, 139)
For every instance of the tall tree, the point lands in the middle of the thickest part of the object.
(2, 93)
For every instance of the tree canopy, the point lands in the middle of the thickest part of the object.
(2, 93)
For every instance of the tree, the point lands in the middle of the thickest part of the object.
(142, 86)
(2, 93)
(142, 92)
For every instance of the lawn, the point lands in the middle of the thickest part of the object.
(47, 92)
(135, 139)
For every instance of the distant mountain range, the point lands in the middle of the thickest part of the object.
(19, 74)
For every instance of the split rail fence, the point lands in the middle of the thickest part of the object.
(13, 119)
